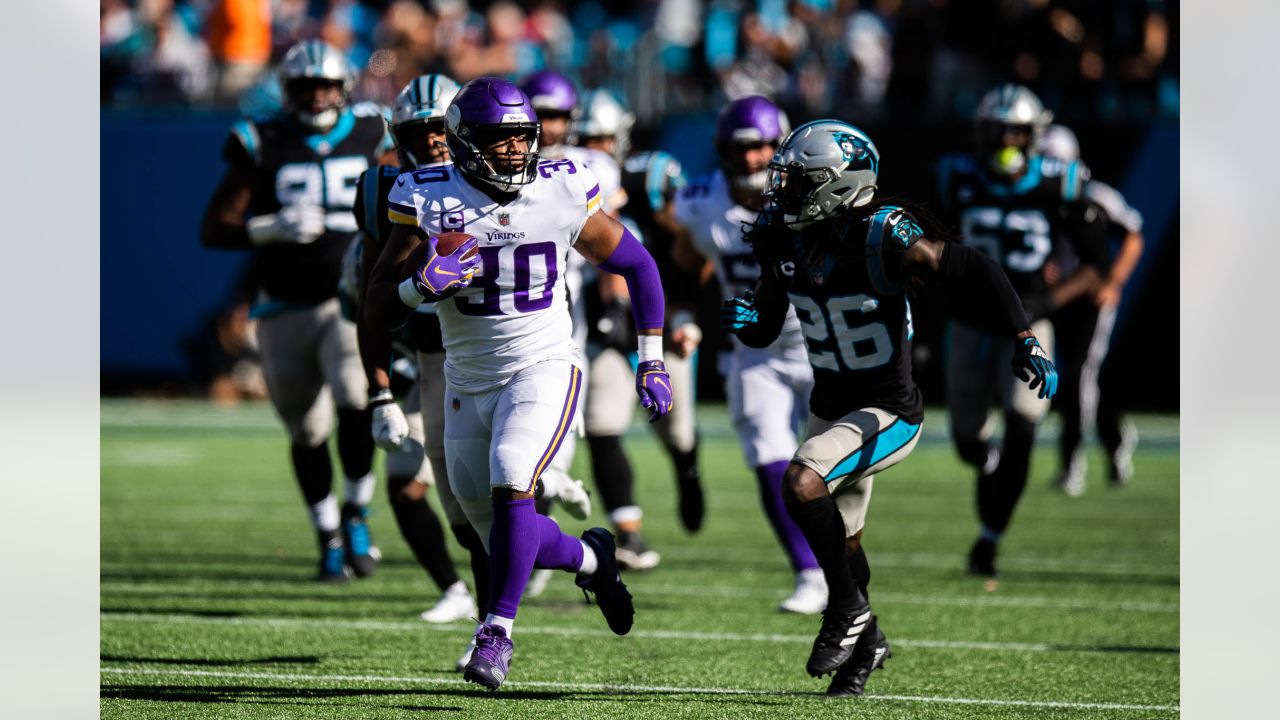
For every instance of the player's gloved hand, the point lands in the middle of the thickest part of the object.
(296, 224)
(739, 313)
(390, 429)
(653, 385)
(439, 274)
(1031, 363)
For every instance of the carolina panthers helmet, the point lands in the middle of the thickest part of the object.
(821, 168)
(484, 111)
(603, 115)
(420, 107)
(304, 64)
(748, 121)
(550, 92)
(1059, 142)
(1009, 123)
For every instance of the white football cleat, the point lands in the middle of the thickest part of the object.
(567, 492)
(538, 582)
(456, 604)
(810, 596)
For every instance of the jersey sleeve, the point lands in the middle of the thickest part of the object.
(891, 231)
(243, 145)
(1118, 210)
(404, 201)
(585, 194)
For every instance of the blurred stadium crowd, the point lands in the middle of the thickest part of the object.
(927, 60)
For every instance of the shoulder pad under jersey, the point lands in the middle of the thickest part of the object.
(243, 138)
(890, 232)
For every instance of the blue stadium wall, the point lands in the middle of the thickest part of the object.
(160, 287)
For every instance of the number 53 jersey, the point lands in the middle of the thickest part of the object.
(1023, 223)
(515, 313)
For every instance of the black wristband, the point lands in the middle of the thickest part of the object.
(381, 397)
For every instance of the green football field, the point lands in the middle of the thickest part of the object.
(208, 610)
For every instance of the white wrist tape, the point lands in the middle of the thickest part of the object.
(650, 347)
(262, 229)
(409, 294)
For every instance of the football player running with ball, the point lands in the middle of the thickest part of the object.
(513, 386)
(843, 260)
(294, 178)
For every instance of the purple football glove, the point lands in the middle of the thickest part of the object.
(653, 385)
(442, 274)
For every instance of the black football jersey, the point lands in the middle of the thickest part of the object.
(1022, 224)
(840, 276)
(292, 167)
(422, 331)
(651, 180)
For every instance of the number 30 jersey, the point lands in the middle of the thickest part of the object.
(856, 321)
(515, 313)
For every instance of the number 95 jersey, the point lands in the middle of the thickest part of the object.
(516, 312)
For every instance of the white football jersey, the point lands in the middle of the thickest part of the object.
(715, 223)
(515, 312)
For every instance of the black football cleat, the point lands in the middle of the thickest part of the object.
(333, 559)
(869, 655)
(836, 639)
(982, 559)
(611, 593)
(692, 506)
(362, 554)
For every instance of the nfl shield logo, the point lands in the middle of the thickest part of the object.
(504, 219)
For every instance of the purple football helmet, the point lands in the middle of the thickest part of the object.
(550, 92)
(746, 122)
(487, 111)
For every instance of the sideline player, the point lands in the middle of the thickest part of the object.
(512, 383)
(1016, 206)
(294, 177)
(1083, 334)
(843, 260)
(768, 388)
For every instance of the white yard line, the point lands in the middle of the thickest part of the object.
(463, 628)
(603, 687)
(133, 587)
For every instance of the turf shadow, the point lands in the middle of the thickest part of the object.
(275, 660)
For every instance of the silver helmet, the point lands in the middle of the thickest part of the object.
(820, 169)
(420, 107)
(601, 114)
(1059, 142)
(1009, 123)
(305, 63)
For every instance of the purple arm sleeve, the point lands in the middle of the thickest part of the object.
(636, 266)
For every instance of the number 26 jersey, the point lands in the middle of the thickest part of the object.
(515, 313)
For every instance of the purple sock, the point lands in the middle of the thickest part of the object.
(556, 550)
(513, 544)
(769, 479)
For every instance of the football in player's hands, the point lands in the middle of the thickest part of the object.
(448, 242)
